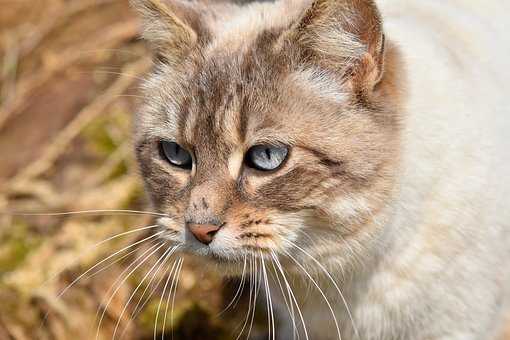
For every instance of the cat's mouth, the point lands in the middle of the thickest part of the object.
(229, 248)
(220, 254)
(211, 242)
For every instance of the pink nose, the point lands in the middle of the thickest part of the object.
(203, 232)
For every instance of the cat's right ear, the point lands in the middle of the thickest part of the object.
(347, 35)
(172, 28)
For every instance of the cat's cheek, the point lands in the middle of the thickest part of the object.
(179, 177)
(171, 229)
(225, 241)
(233, 243)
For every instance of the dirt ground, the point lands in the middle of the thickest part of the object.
(69, 72)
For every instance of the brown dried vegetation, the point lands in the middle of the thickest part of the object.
(69, 72)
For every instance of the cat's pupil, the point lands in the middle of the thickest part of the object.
(268, 153)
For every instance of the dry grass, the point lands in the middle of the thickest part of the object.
(69, 74)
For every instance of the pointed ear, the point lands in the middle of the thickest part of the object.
(347, 35)
(171, 27)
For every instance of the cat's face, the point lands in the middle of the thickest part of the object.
(259, 144)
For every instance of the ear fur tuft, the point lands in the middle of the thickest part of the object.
(169, 35)
(348, 35)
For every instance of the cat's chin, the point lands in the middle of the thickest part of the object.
(224, 265)
(217, 257)
(230, 263)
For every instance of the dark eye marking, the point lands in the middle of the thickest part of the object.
(175, 154)
(266, 157)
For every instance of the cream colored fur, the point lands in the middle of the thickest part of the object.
(444, 262)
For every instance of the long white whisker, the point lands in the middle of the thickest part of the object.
(257, 285)
(348, 246)
(173, 301)
(287, 300)
(98, 244)
(334, 284)
(151, 270)
(114, 50)
(152, 251)
(170, 292)
(114, 73)
(279, 266)
(242, 284)
(86, 212)
(320, 291)
(249, 301)
(109, 265)
(162, 297)
(267, 301)
(139, 306)
(106, 259)
(239, 289)
(268, 292)
(62, 292)
(272, 311)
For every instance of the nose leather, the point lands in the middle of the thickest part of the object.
(203, 232)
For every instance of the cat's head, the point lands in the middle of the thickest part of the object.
(269, 127)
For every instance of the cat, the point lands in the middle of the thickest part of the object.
(356, 150)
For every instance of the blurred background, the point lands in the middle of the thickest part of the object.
(69, 71)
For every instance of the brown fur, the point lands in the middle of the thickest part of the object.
(230, 100)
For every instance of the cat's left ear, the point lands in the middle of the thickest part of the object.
(345, 34)
(171, 27)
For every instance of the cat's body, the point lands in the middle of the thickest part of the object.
(397, 180)
(444, 273)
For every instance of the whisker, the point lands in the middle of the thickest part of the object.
(257, 285)
(63, 291)
(119, 284)
(96, 71)
(86, 212)
(163, 296)
(243, 283)
(249, 300)
(129, 96)
(169, 296)
(100, 243)
(290, 308)
(271, 305)
(320, 291)
(334, 283)
(173, 303)
(268, 295)
(239, 289)
(267, 302)
(160, 260)
(114, 50)
(139, 305)
(106, 259)
(91, 275)
(351, 253)
(289, 288)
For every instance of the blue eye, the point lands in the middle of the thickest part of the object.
(176, 155)
(266, 157)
